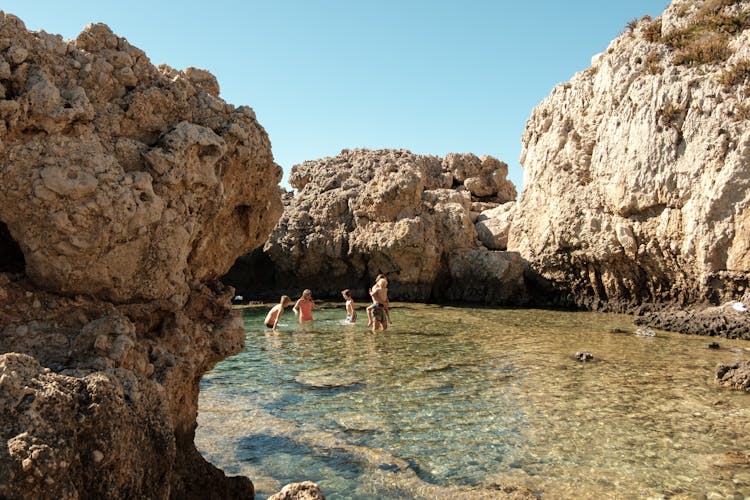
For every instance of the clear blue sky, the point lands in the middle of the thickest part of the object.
(432, 76)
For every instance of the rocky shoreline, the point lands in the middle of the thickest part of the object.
(717, 321)
(127, 191)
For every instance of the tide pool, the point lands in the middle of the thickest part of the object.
(451, 401)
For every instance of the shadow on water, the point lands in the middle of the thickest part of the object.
(291, 460)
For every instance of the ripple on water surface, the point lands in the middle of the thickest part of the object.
(454, 400)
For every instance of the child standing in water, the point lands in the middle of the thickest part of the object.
(272, 318)
(304, 306)
(351, 313)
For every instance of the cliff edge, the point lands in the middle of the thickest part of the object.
(637, 170)
(126, 190)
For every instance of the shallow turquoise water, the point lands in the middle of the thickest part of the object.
(452, 401)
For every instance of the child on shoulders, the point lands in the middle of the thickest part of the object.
(379, 306)
(381, 285)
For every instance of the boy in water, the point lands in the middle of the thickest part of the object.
(304, 306)
(272, 318)
(351, 313)
(379, 295)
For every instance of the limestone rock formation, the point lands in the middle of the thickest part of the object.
(126, 190)
(409, 216)
(637, 170)
(736, 376)
(299, 491)
(721, 321)
(493, 226)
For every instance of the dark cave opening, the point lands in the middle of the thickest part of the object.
(11, 256)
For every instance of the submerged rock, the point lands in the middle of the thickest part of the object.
(328, 379)
(363, 421)
(126, 190)
(584, 356)
(645, 332)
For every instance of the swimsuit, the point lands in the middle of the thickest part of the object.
(378, 312)
(269, 325)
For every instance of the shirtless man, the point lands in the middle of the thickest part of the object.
(371, 307)
(380, 313)
(272, 318)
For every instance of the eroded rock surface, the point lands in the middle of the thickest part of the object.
(299, 491)
(736, 376)
(713, 321)
(637, 170)
(409, 216)
(125, 191)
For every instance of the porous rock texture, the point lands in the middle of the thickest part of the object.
(735, 376)
(722, 321)
(299, 491)
(637, 170)
(411, 217)
(126, 190)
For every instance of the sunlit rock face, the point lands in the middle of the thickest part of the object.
(637, 170)
(125, 191)
(411, 217)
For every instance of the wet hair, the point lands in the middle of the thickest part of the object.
(306, 291)
(346, 294)
(285, 299)
(382, 282)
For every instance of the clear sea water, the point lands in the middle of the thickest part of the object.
(452, 401)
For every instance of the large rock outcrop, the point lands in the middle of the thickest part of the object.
(126, 190)
(409, 216)
(637, 170)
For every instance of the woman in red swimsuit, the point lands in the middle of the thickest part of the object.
(304, 306)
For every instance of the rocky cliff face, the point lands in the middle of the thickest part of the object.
(411, 217)
(637, 170)
(125, 191)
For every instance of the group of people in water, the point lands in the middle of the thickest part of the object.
(378, 313)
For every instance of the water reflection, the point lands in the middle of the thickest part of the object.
(453, 400)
